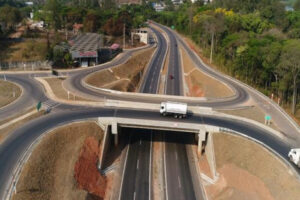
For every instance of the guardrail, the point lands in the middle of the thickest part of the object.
(32, 65)
(18, 169)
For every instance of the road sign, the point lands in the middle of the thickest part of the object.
(173, 27)
(268, 117)
(38, 106)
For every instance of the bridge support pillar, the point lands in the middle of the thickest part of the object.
(114, 131)
(104, 147)
(210, 155)
(116, 139)
(201, 140)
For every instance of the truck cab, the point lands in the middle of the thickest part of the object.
(294, 156)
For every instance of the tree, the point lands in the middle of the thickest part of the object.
(52, 14)
(213, 23)
(297, 5)
(10, 16)
(274, 13)
(91, 21)
(290, 63)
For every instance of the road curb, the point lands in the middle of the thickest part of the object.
(14, 101)
(249, 88)
(26, 155)
(270, 150)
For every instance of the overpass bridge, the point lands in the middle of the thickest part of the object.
(112, 127)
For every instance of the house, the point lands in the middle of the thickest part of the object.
(158, 7)
(85, 48)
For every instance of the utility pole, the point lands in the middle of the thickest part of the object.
(124, 36)
(211, 47)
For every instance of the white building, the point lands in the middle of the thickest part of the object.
(158, 7)
(29, 3)
(177, 2)
(142, 33)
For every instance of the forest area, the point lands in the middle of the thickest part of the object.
(255, 41)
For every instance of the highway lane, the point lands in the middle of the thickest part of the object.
(174, 81)
(136, 181)
(152, 76)
(136, 176)
(32, 93)
(240, 93)
(286, 126)
(74, 83)
(14, 147)
(178, 177)
(282, 148)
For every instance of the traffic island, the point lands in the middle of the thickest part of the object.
(125, 77)
(56, 85)
(199, 84)
(9, 92)
(249, 171)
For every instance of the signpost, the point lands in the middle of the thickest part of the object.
(268, 119)
(38, 106)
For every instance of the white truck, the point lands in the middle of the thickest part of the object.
(294, 156)
(178, 110)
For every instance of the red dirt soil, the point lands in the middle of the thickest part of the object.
(86, 172)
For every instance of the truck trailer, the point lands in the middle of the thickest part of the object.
(178, 110)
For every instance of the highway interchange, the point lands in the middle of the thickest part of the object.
(178, 181)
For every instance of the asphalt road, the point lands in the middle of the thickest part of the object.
(136, 181)
(152, 76)
(179, 184)
(32, 93)
(75, 82)
(178, 177)
(136, 184)
(174, 82)
(14, 147)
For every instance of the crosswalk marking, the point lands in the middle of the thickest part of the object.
(50, 104)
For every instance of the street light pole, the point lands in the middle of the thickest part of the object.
(124, 36)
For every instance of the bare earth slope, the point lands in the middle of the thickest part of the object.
(49, 172)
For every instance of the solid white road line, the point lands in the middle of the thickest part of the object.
(137, 164)
(176, 155)
(150, 168)
(120, 191)
(165, 169)
(134, 195)
(179, 182)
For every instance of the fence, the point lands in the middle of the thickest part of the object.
(25, 66)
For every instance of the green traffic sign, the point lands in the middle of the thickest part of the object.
(268, 117)
(173, 27)
(38, 106)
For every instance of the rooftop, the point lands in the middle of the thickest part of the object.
(86, 42)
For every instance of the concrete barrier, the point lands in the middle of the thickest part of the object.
(105, 144)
